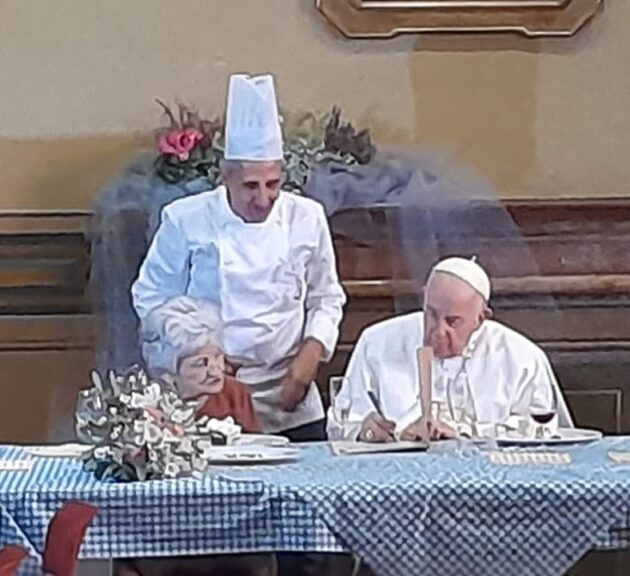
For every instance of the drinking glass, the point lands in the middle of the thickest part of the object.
(542, 411)
(460, 403)
(339, 399)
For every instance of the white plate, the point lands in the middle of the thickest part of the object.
(562, 436)
(260, 440)
(58, 450)
(239, 455)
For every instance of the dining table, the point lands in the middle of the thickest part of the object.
(456, 508)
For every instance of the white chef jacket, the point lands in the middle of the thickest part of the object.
(276, 284)
(502, 369)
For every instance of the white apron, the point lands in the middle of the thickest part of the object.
(262, 291)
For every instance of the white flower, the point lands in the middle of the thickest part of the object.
(171, 470)
(117, 431)
(199, 464)
(139, 424)
(184, 446)
(96, 380)
(152, 433)
(140, 431)
(103, 452)
(181, 416)
(170, 402)
(227, 427)
(150, 397)
(170, 437)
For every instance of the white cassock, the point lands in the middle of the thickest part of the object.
(502, 369)
(275, 282)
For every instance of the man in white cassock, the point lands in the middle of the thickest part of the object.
(483, 371)
(265, 257)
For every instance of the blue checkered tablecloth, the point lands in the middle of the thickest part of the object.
(433, 513)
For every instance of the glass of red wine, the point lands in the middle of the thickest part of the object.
(543, 409)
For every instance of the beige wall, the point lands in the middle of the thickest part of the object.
(78, 79)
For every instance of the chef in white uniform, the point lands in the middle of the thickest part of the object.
(265, 256)
(481, 368)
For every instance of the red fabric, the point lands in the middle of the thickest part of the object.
(64, 537)
(10, 559)
(234, 400)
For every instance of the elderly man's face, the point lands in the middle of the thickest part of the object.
(201, 373)
(253, 188)
(452, 312)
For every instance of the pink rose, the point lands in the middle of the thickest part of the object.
(180, 142)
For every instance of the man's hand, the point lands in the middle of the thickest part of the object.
(424, 429)
(417, 431)
(293, 392)
(440, 431)
(376, 429)
(302, 372)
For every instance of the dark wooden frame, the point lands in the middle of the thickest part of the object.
(386, 18)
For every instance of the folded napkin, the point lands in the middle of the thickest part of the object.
(620, 457)
(15, 465)
(529, 458)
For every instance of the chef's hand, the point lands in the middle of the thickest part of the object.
(423, 429)
(376, 429)
(302, 372)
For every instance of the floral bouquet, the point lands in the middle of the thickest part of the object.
(142, 429)
(324, 140)
(191, 147)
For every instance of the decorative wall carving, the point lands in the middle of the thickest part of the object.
(385, 18)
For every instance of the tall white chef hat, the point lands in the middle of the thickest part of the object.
(468, 271)
(252, 127)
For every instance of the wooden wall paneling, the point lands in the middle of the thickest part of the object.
(571, 295)
(38, 393)
(44, 263)
(44, 362)
(46, 330)
(578, 253)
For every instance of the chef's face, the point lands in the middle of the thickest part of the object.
(201, 373)
(253, 188)
(452, 312)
